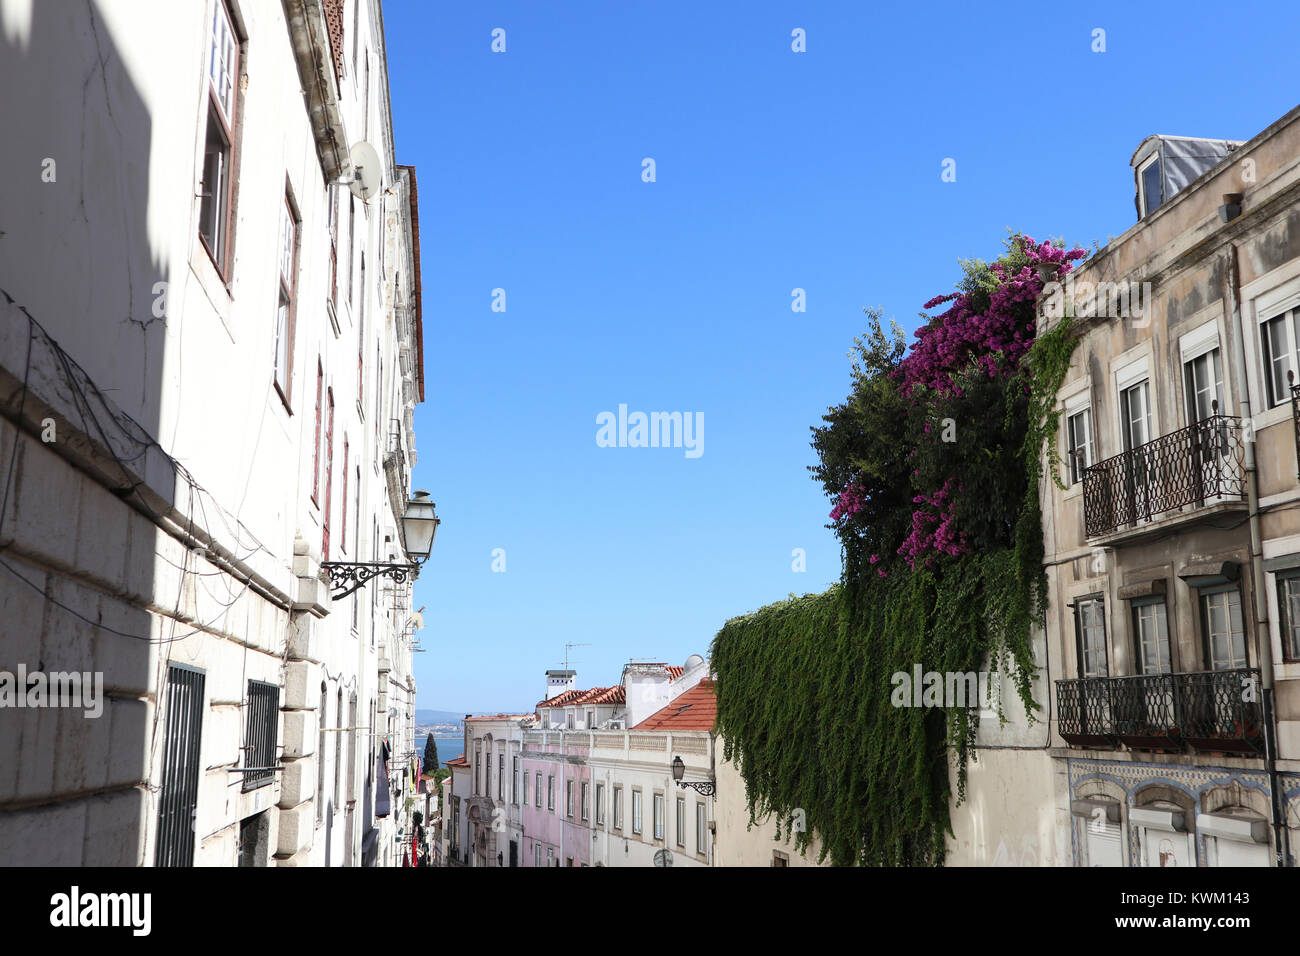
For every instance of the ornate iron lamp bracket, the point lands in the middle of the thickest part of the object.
(704, 788)
(346, 577)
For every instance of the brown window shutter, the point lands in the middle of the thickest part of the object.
(334, 20)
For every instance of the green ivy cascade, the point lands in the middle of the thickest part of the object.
(804, 685)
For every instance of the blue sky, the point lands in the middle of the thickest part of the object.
(775, 170)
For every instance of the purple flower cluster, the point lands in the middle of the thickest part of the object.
(852, 500)
(933, 530)
(1006, 326)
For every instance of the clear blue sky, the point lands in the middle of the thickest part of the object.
(775, 170)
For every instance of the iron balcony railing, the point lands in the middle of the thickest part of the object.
(1195, 466)
(1208, 710)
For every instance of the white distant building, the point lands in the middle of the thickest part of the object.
(210, 354)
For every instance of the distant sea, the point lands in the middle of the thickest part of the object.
(449, 748)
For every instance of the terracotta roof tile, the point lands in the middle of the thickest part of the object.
(674, 672)
(457, 762)
(596, 695)
(697, 709)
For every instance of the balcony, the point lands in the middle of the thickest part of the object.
(1166, 712)
(1193, 467)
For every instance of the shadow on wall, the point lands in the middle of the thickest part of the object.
(77, 564)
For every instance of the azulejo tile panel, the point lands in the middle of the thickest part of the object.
(1193, 781)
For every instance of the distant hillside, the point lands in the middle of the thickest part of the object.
(424, 717)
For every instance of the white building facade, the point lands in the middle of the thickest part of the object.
(210, 353)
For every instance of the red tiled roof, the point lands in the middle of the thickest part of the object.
(674, 672)
(697, 709)
(596, 695)
(457, 762)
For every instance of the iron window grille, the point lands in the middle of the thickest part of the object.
(178, 798)
(260, 734)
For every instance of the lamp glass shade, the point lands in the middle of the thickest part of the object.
(419, 525)
(679, 768)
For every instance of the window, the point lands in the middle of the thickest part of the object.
(178, 796)
(585, 810)
(361, 337)
(600, 804)
(343, 511)
(477, 772)
(1078, 430)
(1288, 603)
(1135, 407)
(618, 808)
(501, 776)
(537, 854)
(320, 755)
(338, 749)
(780, 859)
(568, 717)
(315, 461)
(261, 734)
(356, 494)
(568, 799)
(1225, 635)
(1203, 386)
(550, 792)
(515, 792)
(217, 185)
(329, 473)
(636, 811)
(352, 244)
(1149, 185)
(1278, 341)
(1090, 633)
(658, 803)
(537, 791)
(1152, 630)
(681, 821)
(591, 720)
(284, 312)
(333, 200)
(701, 829)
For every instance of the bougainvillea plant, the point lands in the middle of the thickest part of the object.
(932, 463)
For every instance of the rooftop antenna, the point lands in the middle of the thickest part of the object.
(566, 652)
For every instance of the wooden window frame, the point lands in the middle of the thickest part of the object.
(329, 475)
(287, 295)
(231, 129)
(315, 461)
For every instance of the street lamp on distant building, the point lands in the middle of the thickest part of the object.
(705, 788)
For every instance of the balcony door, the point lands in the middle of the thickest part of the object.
(1139, 477)
(1225, 633)
(1203, 388)
(1155, 698)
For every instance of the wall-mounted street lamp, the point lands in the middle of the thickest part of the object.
(704, 788)
(419, 525)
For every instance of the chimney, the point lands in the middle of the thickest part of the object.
(557, 682)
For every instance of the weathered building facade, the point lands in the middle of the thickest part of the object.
(1173, 547)
(210, 352)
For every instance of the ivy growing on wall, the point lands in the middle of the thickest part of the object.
(933, 464)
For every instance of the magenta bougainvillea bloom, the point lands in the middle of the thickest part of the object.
(960, 335)
(852, 500)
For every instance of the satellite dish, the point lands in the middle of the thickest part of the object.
(368, 173)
